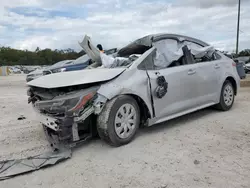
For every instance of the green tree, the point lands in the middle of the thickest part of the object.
(10, 56)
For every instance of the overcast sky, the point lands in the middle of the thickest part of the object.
(60, 24)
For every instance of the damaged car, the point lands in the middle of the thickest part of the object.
(151, 80)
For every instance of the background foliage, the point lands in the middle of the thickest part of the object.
(10, 56)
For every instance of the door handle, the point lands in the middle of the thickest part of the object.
(191, 71)
(216, 66)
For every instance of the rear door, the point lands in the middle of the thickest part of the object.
(208, 73)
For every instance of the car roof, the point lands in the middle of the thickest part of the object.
(158, 37)
(149, 39)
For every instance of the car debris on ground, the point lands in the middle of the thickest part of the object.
(12, 168)
(21, 118)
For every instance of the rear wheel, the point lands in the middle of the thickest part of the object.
(118, 122)
(227, 96)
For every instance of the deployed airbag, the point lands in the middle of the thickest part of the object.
(170, 50)
(111, 62)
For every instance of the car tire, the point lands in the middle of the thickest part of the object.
(226, 97)
(119, 121)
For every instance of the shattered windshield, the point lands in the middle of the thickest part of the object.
(63, 62)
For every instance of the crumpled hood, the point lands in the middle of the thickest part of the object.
(73, 78)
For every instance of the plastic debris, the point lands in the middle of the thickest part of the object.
(12, 168)
(21, 118)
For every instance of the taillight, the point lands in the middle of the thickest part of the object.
(234, 64)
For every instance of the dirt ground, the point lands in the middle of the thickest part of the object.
(204, 149)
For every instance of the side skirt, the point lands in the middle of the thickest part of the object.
(160, 120)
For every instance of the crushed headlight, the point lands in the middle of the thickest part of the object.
(68, 103)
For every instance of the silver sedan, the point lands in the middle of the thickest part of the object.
(151, 80)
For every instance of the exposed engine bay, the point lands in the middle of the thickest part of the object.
(67, 113)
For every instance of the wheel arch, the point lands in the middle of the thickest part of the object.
(233, 82)
(112, 90)
(144, 109)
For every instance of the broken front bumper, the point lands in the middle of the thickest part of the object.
(67, 131)
(68, 118)
(57, 131)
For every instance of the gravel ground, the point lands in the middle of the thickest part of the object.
(204, 149)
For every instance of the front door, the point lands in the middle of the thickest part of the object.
(182, 89)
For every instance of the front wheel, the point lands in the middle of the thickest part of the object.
(118, 122)
(227, 96)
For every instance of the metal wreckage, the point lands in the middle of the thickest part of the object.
(76, 106)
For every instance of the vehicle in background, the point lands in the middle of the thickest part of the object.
(40, 70)
(57, 67)
(34, 74)
(72, 65)
(247, 68)
(245, 60)
(27, 70)
(15, 70)
(75, 65)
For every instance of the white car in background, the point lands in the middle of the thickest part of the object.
(40, 71)
(34, 74)
(15, 70)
